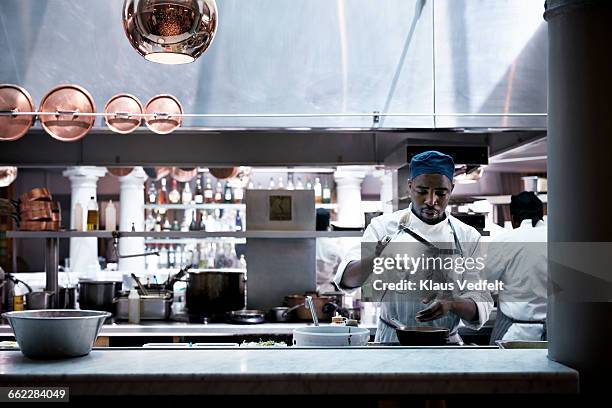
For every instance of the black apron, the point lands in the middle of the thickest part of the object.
(503, 323)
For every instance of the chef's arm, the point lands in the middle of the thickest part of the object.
(355, 274)
(465, 308)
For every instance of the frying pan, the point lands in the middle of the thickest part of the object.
(419, 335)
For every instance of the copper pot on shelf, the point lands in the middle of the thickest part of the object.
(67, 103)
(123, 106)
(166, 111)
(15, 99)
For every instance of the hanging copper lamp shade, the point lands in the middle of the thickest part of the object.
(170, 31)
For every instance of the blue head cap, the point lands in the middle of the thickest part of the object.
(432, 162)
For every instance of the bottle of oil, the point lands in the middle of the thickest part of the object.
(92, 215)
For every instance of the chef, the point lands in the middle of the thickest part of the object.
(519, 259)
(425, 220)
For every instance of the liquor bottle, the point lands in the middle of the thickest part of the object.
(317, 190)
(176, 226)
(203, 219)
(174, 196)
(238, 194)
(218, 193)
(162, 196)
(158, 223)
(228, 196)
(171, 257)
(163, 258)
(271, 184)
(199, 194)
(92, 215)
(193, 226)
(308, 184)
(299, 185)
(326, 194)
(290, 185)
(150, 222)
(186, 196)
(110, 215)
(152, 193)
(281, 184)
(166, 224)
(238, 222)
(208, 192)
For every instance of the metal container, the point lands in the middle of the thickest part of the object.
(330, 336)
(54, 334)
(324, 305)
(213, 293)
(521, 344)
(279, 314)
(39, 300)
(68, 103)
(98, 295)
(152, 307)
(15, 99)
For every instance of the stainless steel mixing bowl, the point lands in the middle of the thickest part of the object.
(54, 333)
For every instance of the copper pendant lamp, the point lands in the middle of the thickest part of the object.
(170, 31)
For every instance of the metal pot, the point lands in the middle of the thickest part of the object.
(39, 300)
(98, 295)
(67, 298)
(325, 305)
(213, 293)
(279, 314)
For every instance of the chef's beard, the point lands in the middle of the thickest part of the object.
(430, 222)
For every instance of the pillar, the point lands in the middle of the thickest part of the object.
(579, 145)
(83, 184)
(131, 211)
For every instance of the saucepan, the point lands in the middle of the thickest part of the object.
(419, 335)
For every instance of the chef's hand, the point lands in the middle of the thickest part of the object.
(436, 310)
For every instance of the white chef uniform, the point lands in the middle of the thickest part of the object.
(405, 310)
(519, 259)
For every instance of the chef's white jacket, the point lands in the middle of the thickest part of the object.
(405, 310)
(519, 258)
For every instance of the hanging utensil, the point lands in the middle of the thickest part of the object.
(166, 111)
(311, 307)
(123, 107)
(68, 103)
(140, 285)
(15, 99)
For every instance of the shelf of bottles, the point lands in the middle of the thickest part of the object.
(221, 208)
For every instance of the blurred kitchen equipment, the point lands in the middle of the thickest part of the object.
(123, 106)
(330, 336)
(418, 335)
(98, 295)
(120, 171)
(39, 300)
(152, 307)
(67, 298)
(51, 334)
(167, 110)
(15, 99)
(68, 103)
(7, 174)
(312, 310)
(142, 289)
(184, 175)
(298, 303)
(521, 344)
(213, 293)
(246, 316)
(223, 172)
(36, 194)
(170, 31)
(280, 314)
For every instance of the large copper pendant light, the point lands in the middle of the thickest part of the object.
(170, 31)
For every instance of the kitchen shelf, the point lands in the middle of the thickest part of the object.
(184, 234)
(209, 206)
(214, 206)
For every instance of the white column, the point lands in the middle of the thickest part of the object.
(131, 211)
(83, 183)
(348, 194)
(386, 189)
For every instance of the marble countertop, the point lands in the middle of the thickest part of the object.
(166, 328)
(298, 371)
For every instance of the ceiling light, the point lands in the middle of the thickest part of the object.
(170, 31)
